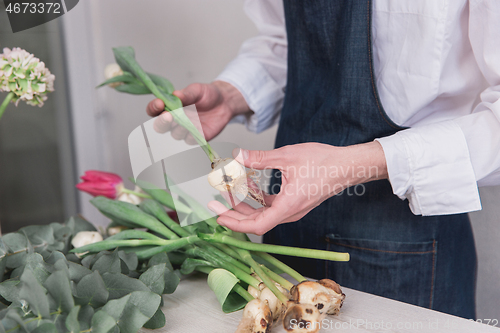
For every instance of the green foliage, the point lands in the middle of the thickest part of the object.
(44, 288)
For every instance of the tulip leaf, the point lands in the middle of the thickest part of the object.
(129, 212)
(234, 302)
(125, 78)
(221, 282)
(189, 265)
(163, 83)
(133, 88)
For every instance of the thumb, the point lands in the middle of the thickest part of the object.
(260, 159)
(190, 95)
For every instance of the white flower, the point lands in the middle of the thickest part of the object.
(25, 75)
(111, 71)
(84, 238)
(130, 198)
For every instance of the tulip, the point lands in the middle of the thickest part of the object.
(111, 71)
(102, 183)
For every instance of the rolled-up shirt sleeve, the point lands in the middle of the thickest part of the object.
(439, 167)
(259, 70)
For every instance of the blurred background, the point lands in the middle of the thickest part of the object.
(44, 151)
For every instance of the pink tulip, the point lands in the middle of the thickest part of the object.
(101, 183)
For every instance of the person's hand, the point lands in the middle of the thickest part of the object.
(310, 174)
(216, 103)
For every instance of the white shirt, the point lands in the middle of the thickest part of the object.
(437, 69)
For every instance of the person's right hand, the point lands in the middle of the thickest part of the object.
(217, 103)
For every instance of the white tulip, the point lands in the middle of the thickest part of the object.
(111, 71)
(84, 238)
(130, 198)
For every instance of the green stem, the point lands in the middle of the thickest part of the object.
(219, 262)
(247, 257)
(224, 256)
(6, 102)
(139, 194)
(155, 209)
(285, 250)
(277, 278)
(133, 234)
(168, 245)
(242, 292)
(171, 105)
(204, 269)
(281, 265)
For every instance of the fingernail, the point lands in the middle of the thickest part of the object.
(240, 154)
(210, 206)
(158, 105)
(221, 223)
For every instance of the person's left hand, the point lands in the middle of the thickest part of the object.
(310, 174)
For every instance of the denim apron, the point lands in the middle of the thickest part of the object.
(331, 98)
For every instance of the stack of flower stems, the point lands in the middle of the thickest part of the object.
(221, 249)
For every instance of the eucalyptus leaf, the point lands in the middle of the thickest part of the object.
(39, 234)
(92, 290)
(154, 279)
(85, 317)
(35, 263)
(72, 324)
(108, 263)
(171, 281)
(9, 289)
(77, 272)
(102, 322)
(139, 309)
(160, 258)
(119, 285)
(157, 321)
(34, 294)
(130, 259)
(45, 328)
(57, 285)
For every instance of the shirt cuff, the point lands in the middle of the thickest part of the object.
(431, 167)
(262, 94)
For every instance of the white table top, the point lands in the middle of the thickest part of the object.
(194, 308)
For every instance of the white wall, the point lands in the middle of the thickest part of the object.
(190, 41)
